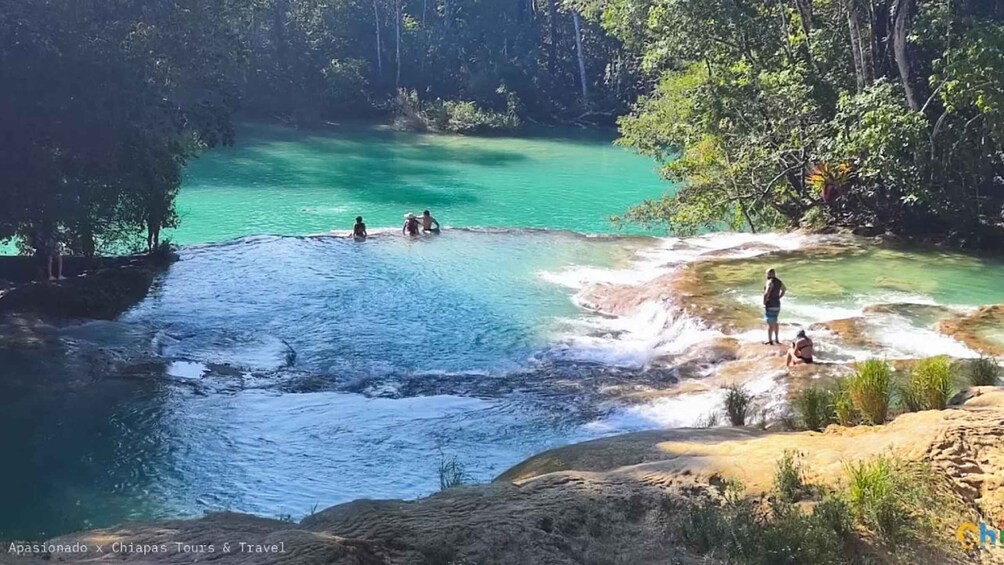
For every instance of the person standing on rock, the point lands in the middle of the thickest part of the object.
(773, 291)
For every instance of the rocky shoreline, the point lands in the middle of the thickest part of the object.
(621, 499)
(99, 288)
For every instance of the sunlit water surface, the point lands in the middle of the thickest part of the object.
(276, 375)
(283, 181)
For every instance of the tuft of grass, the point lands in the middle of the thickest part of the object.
(843, 408)
(869, 389)
(876, 497)
(813, 408)
(709, 420)
(930, 385)
(984, 371)
(452, 472)
(739, 404)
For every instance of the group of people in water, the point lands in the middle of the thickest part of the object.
(800, 350)
(413, 226)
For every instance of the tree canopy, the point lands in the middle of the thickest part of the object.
(767, 113)
(103, 102)
(775, 113)
(314, 59)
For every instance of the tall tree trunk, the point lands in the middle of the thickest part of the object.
(581, 57)
(279, 9)
(397, 31)
(552, 50)
(901, 28)
(379, 49)
(854, 33)
(878, 13)
(805, 15)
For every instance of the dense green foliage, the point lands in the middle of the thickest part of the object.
(103, 103)
(901, 505)
(314, 59)
(886, 113)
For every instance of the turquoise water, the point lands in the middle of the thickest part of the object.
(463, 301)
(277, 374)
(283, 181)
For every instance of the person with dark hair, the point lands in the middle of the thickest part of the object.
(800, 350)
(773, 291)
(427, 223)
(359, 230)
(411, 226)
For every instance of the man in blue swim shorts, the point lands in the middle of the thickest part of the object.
(773, 291)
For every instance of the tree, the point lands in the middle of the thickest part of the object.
(108, 100)
(753, 97)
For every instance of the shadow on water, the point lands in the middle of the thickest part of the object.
(371, 173)
(79, 453)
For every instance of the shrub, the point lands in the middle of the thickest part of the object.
(739, 404)
(738, 532)
(789, 484)
(870, 391)
(930, 384)
(984, 371)
(813, 408)
(875, 496)
(454, 116)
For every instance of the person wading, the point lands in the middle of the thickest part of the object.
(773, 291)
(359, 229)
(411, 226)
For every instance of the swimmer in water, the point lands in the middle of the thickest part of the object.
(359, 230)
(411, 226)
(429, 224)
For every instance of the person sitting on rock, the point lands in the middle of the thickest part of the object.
(800, 351)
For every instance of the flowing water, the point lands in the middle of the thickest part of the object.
(276, 374)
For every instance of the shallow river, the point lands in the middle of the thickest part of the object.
(278, 374)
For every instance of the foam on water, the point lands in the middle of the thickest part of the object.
(186, 369)
(687, 410)
(653, 329)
